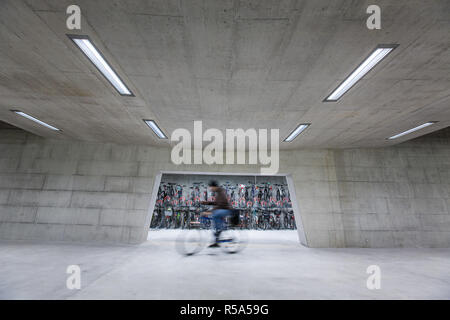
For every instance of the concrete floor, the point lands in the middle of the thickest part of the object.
(273, 266)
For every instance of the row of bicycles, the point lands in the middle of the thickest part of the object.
(182, 218)
(250, 195)
(262, 206)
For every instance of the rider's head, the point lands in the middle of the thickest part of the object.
(213, 185)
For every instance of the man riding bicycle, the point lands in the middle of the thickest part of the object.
(221, 210)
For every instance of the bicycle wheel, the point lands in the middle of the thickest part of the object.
(190, 242)
(233, 241)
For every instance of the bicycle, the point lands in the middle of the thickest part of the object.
(192, 241)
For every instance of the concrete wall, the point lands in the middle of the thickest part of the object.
(397, 196)
(81, 191)
(60, 190)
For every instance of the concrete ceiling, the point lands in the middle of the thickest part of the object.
(232, 64)
(4, 125)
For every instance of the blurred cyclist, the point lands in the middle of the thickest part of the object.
(221, 210)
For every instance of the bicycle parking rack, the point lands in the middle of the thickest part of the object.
(288, 179)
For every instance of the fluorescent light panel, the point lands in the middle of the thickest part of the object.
(23, 114)
(152, 124)
(368, 64)
(412, 130)
(91, 52)
(296, 132)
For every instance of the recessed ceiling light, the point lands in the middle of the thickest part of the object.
(152, 124)
(412, 130)
(380, 52)
(97, 59)
(23, 114)
(296, 132)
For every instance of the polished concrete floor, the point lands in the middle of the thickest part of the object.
(273, 266)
